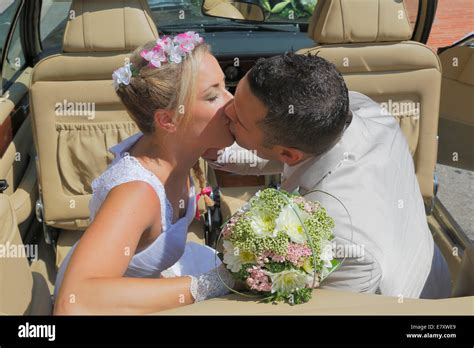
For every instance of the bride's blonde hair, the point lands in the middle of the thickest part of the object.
(171, 87)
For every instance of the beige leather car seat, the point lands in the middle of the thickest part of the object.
(72, 146)
(22, 292)
(369, 42)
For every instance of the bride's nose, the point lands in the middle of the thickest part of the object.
(227, 96)
(229, 110)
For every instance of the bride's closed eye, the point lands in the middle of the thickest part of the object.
(212, 98)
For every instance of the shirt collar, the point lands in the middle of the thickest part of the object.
(307, 174)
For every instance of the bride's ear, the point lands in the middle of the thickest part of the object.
(164, 120)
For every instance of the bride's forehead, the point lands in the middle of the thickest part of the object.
(210, 72)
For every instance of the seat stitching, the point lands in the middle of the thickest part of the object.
(83, 25)
(124, 25)
(385, 71)
(151, 24)
(342, 18)
(378, 21)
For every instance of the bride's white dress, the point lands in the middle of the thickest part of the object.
(169, 251)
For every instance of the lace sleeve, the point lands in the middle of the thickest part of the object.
(210, 285)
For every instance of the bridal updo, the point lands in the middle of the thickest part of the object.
(171, 87)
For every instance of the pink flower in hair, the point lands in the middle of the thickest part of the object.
(171, 50)
(155, 56)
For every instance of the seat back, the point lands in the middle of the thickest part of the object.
(76, 114)
(21, 292)
(369, 42)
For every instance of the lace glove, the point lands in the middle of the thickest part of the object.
(209, 285)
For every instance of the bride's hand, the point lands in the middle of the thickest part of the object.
(211, 284)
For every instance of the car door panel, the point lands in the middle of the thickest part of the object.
(17, 150)
(456, 128)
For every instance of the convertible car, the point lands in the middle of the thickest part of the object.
(61, 54)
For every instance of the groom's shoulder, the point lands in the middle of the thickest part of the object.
(363, 105)
(357, 98)
(372, 126)
(374, 115)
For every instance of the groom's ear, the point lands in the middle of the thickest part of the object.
(164, 120)
(289, 155)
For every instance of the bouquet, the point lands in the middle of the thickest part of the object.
(279, 245)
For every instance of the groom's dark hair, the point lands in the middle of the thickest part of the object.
(307, 101)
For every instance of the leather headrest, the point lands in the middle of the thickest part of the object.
(108, 25)
(349, 21)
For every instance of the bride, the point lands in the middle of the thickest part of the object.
(142, 205)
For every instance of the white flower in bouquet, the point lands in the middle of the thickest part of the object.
(289, 222)
(262, 224)
(288, 281)
(234, 258)
(326, 256)
(326, 253)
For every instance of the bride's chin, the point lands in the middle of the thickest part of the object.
(225, 143)
(225, 138)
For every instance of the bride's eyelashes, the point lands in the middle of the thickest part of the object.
(215, 93)
(213, 98)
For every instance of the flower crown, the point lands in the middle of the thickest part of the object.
(166, 50)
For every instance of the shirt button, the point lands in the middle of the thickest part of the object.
(348, 156)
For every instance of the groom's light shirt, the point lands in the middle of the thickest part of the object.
(383, 235)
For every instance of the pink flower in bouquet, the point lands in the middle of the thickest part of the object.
(308, 206)
(297, 253)
(258, 280)
(267, 255)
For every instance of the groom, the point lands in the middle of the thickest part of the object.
(296, 113)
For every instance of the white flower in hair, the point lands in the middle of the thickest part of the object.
(175, 54)
(122, 76)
